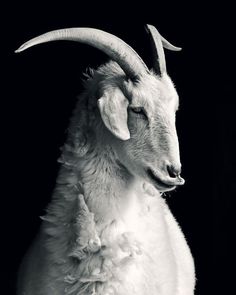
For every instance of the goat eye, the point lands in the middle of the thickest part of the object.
(139, 111)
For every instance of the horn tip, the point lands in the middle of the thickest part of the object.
(178, 48)
(21, 48)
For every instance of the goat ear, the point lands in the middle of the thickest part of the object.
(113, 108)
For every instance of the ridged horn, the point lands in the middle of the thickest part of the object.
(158, 43)
(114, 47)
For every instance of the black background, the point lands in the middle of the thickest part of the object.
(39, 89)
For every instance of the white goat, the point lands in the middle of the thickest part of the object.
(107, 229)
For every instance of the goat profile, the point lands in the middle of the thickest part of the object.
(107, 229)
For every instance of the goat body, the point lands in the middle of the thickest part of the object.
(107, 230)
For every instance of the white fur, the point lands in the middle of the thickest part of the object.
(107, 229)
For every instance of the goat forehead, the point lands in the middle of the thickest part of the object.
(156, 99)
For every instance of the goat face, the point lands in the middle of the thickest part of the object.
(153, 149)
(139, 111)
(144, 117)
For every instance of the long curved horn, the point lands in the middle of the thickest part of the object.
(158, 42)
(114, 47)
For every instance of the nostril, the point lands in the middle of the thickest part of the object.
(173, 171)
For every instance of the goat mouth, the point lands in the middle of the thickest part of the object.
(158, 183)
